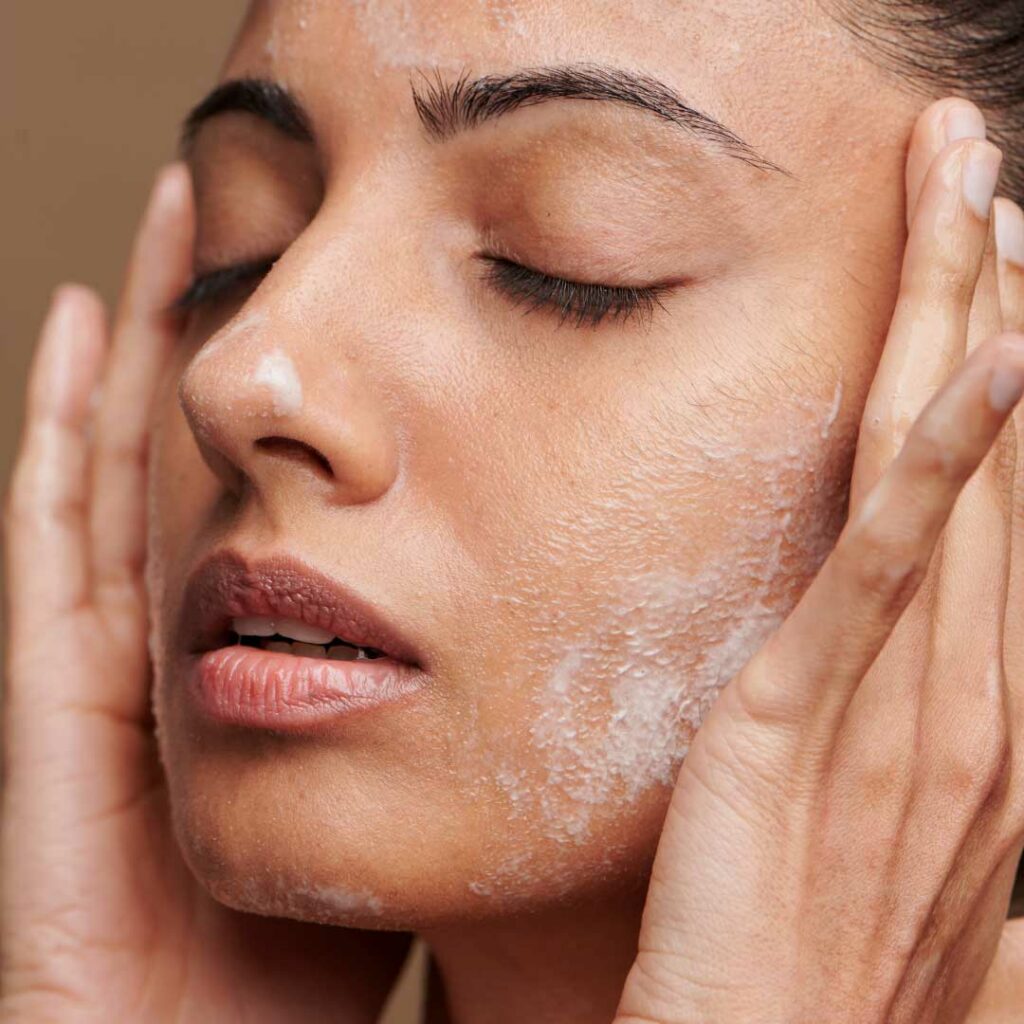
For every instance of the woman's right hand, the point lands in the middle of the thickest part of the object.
(100, 919)
(844, 832)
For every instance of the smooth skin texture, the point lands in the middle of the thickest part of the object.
(415, 382)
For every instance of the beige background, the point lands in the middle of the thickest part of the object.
(91, 94)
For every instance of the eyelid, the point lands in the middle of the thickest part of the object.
(214, 284)
(586, 302)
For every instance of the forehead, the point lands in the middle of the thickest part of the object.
(777, 72)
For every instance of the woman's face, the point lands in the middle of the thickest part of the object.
(585, 528)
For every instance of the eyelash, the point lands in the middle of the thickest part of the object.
(206, 289)
(583, 302)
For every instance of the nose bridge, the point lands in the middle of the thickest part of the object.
(275, 405)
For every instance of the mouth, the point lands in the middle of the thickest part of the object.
(281, 601)
(277, 644)
(290, 636)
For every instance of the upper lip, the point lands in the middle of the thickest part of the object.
(226, 586)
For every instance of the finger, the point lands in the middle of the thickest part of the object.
(974, 564)
(944, 122)
(1009, 230)
(815, 661)
(1009, 220)
(47, 568)
(144, 332)
(927, 337)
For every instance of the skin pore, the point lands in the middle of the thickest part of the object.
(586, 529)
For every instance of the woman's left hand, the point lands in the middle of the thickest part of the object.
(844, 832)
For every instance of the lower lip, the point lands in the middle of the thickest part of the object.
(267, 690)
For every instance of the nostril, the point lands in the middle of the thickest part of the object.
(297, 451)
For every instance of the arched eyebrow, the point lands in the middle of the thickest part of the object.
(446, 108)
(449, 107)
(267, 100)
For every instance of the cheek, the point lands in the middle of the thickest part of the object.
(619, 621)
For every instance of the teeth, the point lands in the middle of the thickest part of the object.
(254, 627)
(342, 652)
(302, 632)
(298, 639)
(294, 630)
(309, 650)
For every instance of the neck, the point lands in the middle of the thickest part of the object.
(560, 966)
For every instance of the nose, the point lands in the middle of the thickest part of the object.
(274, 412)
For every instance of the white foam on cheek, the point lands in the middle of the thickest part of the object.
(833, 412)
(276, 371)
(617, 710)
(609, 740)
(280, 897)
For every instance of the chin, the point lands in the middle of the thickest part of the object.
(311, 838)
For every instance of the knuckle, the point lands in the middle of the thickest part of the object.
(932, 454)
(129, 453)
(946, 280)
(739, 764)
(879, 565)
(977, 769)
(757, 694)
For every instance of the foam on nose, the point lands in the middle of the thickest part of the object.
(276, 371)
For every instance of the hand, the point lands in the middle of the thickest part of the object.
(844, 832)
(100, 919)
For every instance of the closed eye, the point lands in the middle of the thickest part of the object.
(205, 289)
(584, 303)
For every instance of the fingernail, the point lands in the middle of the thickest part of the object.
(167, 187)
(980, 173)
(1007, 383)
(1010, 231)
(964, 121)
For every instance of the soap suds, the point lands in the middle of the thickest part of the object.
(507, 15)
(622, 700)
(276, 371)
(833, 412)
(275, 896)
(287, 28)
(244, 326)
(395, 33)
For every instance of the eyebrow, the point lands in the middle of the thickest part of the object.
(267, 100)
(446, 108)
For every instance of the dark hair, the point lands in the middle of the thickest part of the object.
(969, 48)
